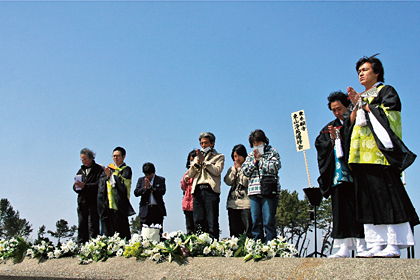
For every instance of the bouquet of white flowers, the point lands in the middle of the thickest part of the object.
(101, 248)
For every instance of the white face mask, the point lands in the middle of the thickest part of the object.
(206, 150)
(260, 149)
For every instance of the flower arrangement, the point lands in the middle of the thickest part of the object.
(13, 249)
(178, 246)
(173, 246)
(44, 249)
(101, 248)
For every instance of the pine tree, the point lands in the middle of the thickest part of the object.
(62, 230)
(135, 225)
(11, 225)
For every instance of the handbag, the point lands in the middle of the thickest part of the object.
(268, 183)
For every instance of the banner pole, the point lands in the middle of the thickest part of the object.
(307, 169)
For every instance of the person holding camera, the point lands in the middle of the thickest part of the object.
(262, 166)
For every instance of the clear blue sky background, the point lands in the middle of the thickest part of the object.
(150, 76)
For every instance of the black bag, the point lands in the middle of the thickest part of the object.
(268, 185)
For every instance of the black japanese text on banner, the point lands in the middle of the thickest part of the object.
(300, 130)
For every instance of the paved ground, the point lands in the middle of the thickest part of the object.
(215, 268)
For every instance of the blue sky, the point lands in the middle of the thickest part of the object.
(150, 76)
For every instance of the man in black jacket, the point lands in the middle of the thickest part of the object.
(151, 188)
(86, 185)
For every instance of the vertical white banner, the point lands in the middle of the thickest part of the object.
(300, 130)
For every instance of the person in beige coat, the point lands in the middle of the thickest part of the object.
(206, 171)
(238, 203)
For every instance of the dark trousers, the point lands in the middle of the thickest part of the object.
(154, 216)
(189, 221)
(88, 222)
(116, 222)
(240, 222)
(345, 225)
(206, 210)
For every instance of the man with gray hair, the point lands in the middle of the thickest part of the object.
(206, 170)
(86, 185)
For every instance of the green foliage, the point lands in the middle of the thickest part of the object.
(11, 225)
(41, 237)
(135, 225)
(324, 222)
(293, 220)
(62, 230)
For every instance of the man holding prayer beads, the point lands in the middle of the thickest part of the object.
(335, 179)
(377, 156)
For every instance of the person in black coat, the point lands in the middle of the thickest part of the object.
(114, 205)
(335, 179)
(151, 188)
(86, 186)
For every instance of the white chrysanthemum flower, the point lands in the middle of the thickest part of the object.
(50, 255)
(120, 252)
(249, 248)
(135, 237)
(281, 238)
(271, 253)
(156, 257)
(57, 253)
(229, 253)
(206, 250)
(30, 253)
(146, 243)
(286, 255)
(265, 248)
(203, 235)
(64, 248)
(148, 252)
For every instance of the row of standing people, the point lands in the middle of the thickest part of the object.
(104, 196)
(104, 192)
(250, 210)
(360, 158)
